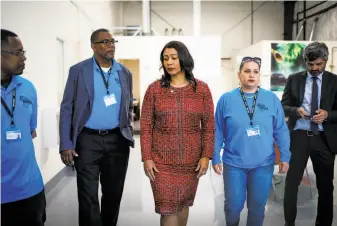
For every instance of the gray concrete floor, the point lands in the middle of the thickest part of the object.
(137, 208)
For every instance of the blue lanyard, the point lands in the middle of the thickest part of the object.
(250, 113)
(106, 82)
(11, 113)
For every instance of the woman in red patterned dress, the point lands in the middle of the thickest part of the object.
(176, 134)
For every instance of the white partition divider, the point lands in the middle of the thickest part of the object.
(49, 128)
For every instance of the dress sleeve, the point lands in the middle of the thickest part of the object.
(146, 124)
(207, 123)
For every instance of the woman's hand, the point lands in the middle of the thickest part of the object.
(283, 167)
(149, 168)
(218, 168)
(202, 166)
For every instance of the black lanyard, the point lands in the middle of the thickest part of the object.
(106, 82)
(13, 107)
(250, 113)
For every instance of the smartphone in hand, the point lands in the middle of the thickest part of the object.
(307, 117)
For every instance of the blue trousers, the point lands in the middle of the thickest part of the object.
(238, 182)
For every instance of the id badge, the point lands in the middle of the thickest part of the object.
(13, 134)
(253, 131)
(110, 100)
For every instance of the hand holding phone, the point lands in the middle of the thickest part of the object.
(301, 112)
(320, 116)
(307, 116)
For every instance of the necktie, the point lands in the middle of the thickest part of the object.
(314, 103)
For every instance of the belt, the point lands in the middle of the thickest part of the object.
(312, 133)
(100, 131)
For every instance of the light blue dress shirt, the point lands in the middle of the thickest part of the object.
(304, 124)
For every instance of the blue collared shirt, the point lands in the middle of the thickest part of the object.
(304, 124)
(103, 117)
(20, 174)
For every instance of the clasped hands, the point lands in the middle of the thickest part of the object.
(319, 117)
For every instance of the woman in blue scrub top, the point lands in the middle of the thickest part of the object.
(248, 122)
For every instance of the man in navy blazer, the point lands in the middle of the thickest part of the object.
(95, 130)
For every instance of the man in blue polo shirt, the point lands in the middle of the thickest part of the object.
(95, 130)
(22, 189)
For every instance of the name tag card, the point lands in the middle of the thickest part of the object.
(253, 131)
(110, 100)
(12, 134)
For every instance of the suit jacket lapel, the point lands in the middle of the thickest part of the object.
(124, 87)
(88, 74)
(302, 86)
(324, 90)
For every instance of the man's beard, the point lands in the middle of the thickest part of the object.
(314, 72)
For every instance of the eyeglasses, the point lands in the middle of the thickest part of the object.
(16, 53)
(107, 42)
(249, 59)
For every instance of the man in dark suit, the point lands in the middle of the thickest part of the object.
(310, 102)
(95, 130)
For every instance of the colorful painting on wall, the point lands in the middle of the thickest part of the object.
(286, 59)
